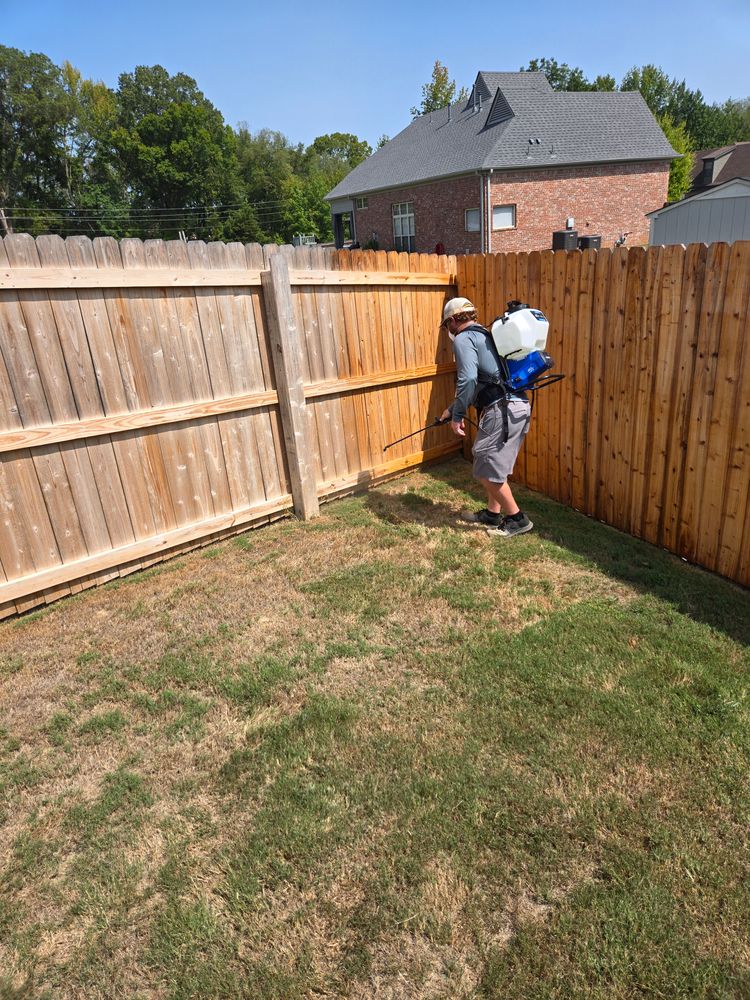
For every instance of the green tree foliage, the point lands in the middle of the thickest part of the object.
(341, 146)
(560, 75)
(150, 90)
(32, 101)
(172, 145)
(439, 92)
(89, 116)
(680, 170)
(152, 158)
(707, 125)
(267, 162)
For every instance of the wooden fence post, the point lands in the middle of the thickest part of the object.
(286, 346)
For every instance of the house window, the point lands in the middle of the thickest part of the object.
(471, 220)
(503, 217)
(361, 202)
(403, 226)
(707, 177)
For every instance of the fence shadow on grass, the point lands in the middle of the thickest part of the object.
(693, 591)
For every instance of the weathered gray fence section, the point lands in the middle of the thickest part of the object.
(156, 395)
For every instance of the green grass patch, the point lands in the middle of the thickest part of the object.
(405, 759)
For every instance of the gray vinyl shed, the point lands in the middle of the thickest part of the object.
(719, 215)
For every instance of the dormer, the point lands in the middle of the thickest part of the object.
(713, 164)
(501, 111)
(480, 94)
(707, 176)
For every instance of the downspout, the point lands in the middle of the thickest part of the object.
(482, 212)
(488, 202)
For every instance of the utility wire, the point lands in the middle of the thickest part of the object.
(148, 212)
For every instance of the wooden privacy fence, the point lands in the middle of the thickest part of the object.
(156, 395)
(650, 432)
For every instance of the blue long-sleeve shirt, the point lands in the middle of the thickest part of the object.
(476, 363)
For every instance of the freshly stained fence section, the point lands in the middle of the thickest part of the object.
(156, 395)
(650, 431)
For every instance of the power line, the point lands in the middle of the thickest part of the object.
(176, 223)
(28, 212)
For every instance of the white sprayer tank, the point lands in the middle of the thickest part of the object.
(518, 333)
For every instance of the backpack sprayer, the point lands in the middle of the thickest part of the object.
(519, 338)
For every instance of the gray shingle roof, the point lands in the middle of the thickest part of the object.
(579, 127)
(487, 84)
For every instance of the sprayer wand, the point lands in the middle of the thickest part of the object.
(437, 422)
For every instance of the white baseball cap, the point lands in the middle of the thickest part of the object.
(455, 306)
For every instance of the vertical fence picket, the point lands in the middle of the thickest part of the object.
(701, 401)
(724, 447)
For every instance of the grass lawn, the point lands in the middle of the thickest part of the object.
(382, 755)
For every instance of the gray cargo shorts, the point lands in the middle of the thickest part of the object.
(493, 459)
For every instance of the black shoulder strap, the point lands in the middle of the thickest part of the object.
(502, 364)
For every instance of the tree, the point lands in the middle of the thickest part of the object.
(32, 98)
(439, 92)
(680, 171)
(242, 226)
(89, 112)
(742, 109)
(654, 85)
(560, 75)
(605, 82)
(708, 126)
(150, 90)
(341, 146)
(173, 146)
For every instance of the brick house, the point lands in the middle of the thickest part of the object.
(713, 167)
(507, 168)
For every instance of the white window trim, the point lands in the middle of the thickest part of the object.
(404, 210)
(361, 202)
(478, 226)
(500, 229)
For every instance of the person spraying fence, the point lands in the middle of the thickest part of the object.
(494, 371)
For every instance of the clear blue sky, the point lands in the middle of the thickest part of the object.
(307, 68)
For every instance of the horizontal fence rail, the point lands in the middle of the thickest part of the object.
(650, 431)
(86, 277)
(154, 396)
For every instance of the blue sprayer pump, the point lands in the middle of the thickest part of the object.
(524, 373)
(520, 338)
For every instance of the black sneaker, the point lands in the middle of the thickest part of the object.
(482, 518)
(512, 524)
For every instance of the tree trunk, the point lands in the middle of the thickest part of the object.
(5, 227)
